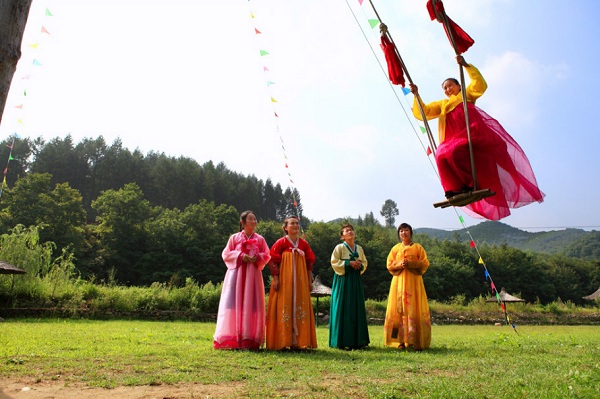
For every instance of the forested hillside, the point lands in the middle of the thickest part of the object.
(576, 243)
(122, 217)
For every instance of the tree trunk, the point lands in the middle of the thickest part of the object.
(13, 18)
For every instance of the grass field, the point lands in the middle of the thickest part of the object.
(463, 362)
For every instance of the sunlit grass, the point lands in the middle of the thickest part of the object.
(463, 362)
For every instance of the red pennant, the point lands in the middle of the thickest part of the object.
(472, 243)
(393, 62)
(257, 31)
(429, 151)
(462, 40)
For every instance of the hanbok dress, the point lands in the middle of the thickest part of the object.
(407, 318)
(500, 163)
(348, 317)
(290, 317)
(241, 317)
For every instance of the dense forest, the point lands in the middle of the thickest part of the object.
(136, 219)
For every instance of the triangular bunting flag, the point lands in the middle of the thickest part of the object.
(461, 219)
(481, 262)
(257, 31)
(34, 45)
(273, 100)
(263, 52)
(373, 23)
(36, 63)
(405, 90)
(44, 30)
(48, 13)
(472, 243)
(265, 69)
(423, 130)
(20, 106)
(428, 150)
(276, 116)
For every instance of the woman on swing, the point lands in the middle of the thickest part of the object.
(500, 163)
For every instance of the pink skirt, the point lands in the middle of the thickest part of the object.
(500, 164)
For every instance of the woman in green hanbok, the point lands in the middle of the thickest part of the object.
(348, 317)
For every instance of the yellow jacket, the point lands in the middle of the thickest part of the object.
(439, 109)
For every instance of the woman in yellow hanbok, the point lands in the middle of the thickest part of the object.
(407, 319)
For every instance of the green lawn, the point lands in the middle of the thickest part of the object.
(463, 362)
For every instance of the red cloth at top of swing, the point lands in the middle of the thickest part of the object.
(393, 62)
(461, 38)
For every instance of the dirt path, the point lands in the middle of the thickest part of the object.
(13, 389)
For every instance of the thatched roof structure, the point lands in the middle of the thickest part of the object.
(319, 289)
(505, 297)
(595, 295)
(7, 268)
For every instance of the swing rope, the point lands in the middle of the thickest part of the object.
(442, 17)
(409, 118)
(488, 277)
(384, 32)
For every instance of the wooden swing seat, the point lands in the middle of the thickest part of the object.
(463, 199)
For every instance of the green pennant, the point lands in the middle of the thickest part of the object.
(423, 130)
(48, 13)
(263, 52)
(373, 23)
(461, 219)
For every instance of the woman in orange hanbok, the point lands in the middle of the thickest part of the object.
(290, 317)
(407, 319)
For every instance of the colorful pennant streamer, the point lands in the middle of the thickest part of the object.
(28, 49)
(264, 54)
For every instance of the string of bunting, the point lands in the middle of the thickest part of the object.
(30, 63)
(264, 55)
(373, 23)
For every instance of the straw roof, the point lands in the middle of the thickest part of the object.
(319, 289)
(7, 268)
(505, 297)
(595, 295)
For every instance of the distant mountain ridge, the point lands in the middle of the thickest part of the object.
(569, 241)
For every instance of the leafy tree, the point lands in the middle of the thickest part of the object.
(208, 227)
(123, 227)
(33, 202)
(389, 211)
(369, 220)
(323, 237)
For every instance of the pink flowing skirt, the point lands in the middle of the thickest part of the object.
(500, 164)
(241, 318)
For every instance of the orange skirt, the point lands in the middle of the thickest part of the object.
(290, 317)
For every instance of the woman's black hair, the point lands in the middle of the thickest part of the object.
(405, 226)
(243, 217)
(451, 79)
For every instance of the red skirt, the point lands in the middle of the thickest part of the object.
(500, 164)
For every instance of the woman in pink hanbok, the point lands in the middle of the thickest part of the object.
(241, 318)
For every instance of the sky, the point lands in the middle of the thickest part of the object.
(307, 102)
